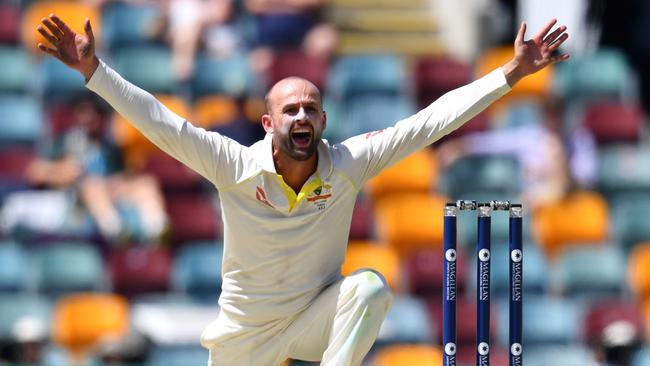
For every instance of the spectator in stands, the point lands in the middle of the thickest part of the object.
(191, 26)
(84, 160)
(128, 350)
(287, 201)
(290, 24)
(618, 343)
(26, 343)
(196, 23)
(539, 145)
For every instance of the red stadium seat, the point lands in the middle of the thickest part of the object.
(172, 174)
(13, 162)
(467, 355)
(361, 225)
(192, 217)
(465, 319)
(9, 22)
(425, 273)
(436, 76)
(645, 304)
(604, 313)
(480, 123)
(614, 122)
(60, 117)
(296, 63)
(138, 270)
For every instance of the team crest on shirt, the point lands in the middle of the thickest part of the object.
(320, 196)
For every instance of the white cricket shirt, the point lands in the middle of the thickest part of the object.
(282, 249)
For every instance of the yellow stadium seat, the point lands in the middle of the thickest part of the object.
(135, 147)
(254, 109)
(214, 110)
(416, 173)
(579, 218)
(73, 13)
(410, 221)
(537, 85)
(408, 355)
(83, 320)
(366, 254)
(639, 271)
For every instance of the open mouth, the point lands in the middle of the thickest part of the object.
(301, 138)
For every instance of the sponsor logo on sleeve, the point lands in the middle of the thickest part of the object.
(373, 134)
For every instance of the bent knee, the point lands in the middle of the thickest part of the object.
(371, 287)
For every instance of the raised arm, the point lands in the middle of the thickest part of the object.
(364, 156)
(219, 159)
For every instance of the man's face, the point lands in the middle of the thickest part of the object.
(296, 118)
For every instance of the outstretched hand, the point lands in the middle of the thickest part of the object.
(536, 53)
(75, 50)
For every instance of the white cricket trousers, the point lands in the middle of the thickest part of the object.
(339, 328)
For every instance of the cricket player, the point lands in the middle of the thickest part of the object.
(287, 201)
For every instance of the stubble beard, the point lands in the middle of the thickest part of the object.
(298, 154)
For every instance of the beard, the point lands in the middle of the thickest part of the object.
(299, 146)
(299, 153)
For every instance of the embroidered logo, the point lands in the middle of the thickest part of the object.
(261, 196)
(320, 195)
